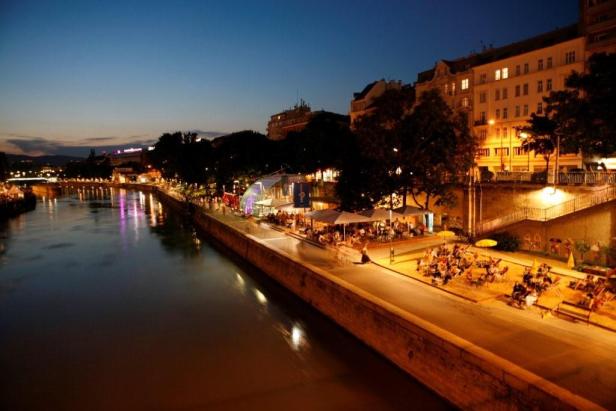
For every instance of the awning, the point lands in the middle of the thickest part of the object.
(407, 211)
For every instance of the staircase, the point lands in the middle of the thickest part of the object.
(550, 213)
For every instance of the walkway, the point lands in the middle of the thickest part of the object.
(577, 357)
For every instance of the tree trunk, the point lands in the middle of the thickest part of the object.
(404, 191)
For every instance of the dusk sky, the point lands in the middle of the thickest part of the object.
(97, 73)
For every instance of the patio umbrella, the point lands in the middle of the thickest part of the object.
(409, 211)
(380, 214)
(446, 234)
(333, 217)
(486, 243)
(571, 261)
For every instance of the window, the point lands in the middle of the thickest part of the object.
(504, 151)
(482, 117)
(483, 134)
(525, 89)
(517, 70)
(497, 94)
(549, 63)
(525, 112)
(525, 68)
(540, 64)
(482, 78)
(465, 102)
(570, 57)
(482, 97)
(497, 75)
(497, 132)
(539, 108)
(518, 151)
(505, 133)
(453, 89)
(464, 84)
(517, 111)
(505, 72)
(446, 89)
(548, 84)
(483, 152)
(504, 93)
(505, 115)
(517, 90)
(540, 86)
(498, 113)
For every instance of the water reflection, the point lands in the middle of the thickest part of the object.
(130, 308)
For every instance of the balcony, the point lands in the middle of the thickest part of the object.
(481, 122)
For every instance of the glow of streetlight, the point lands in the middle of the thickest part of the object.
(491, 121)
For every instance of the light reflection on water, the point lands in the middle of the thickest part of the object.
(108, 302)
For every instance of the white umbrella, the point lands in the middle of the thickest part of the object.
(409, 211)
(380, 214)
(338, 217)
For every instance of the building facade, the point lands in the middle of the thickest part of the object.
(293, 119)
(455, 81)
(598, 23)
(508, 90)
(362, 101)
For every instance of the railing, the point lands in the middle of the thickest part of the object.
(572, 178)
(546, 214)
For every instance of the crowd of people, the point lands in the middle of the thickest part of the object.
(445, 263)
(596, 291)
(527, 292)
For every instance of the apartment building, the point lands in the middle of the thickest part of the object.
(511, 86)
(598, 23)
(362, 101)
(454, 79)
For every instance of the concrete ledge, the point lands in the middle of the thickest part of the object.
(463, 373)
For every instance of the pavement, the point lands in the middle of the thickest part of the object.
(571, 354)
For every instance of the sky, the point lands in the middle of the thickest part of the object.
(81, 74)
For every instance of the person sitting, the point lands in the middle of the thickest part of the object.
(528, 276)
(518, 293)
(531, 298)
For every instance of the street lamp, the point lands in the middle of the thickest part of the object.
(524, 136)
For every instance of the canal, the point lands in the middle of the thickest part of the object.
(108, 300)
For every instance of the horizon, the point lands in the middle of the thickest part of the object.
(79, 76)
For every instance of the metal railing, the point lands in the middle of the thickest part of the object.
(546, 214)
(571, 178)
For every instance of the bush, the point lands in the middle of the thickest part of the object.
(506, 241)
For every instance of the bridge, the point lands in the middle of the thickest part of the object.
(30, 180)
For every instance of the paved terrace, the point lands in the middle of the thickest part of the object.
(575, 356)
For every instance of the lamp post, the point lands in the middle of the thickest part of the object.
(524, 136)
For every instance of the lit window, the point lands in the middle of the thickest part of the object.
(505, 73)
(464, 84)
(453, 89)
(497, 75)
(465, 102)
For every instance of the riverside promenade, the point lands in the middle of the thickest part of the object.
(576, 357)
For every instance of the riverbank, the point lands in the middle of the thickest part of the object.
(457, 369)
(13, 207)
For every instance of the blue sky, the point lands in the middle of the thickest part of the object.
(90, 73)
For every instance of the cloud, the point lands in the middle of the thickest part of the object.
(35, 145)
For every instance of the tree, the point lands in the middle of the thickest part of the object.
(540, 136)
(585, 113)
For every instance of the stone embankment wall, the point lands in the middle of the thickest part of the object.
(467, 375)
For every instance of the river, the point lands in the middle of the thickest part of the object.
(108, 300)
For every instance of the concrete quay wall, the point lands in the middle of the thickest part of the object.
(463, 373)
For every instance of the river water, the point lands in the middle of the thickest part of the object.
(110, 301)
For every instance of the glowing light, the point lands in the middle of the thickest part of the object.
(491, 122)
(297, 337)
(260, 297)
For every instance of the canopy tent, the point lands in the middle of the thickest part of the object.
(331, 216)
(380, 214)
(410, 211)
(257, 191)
(274, 203)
